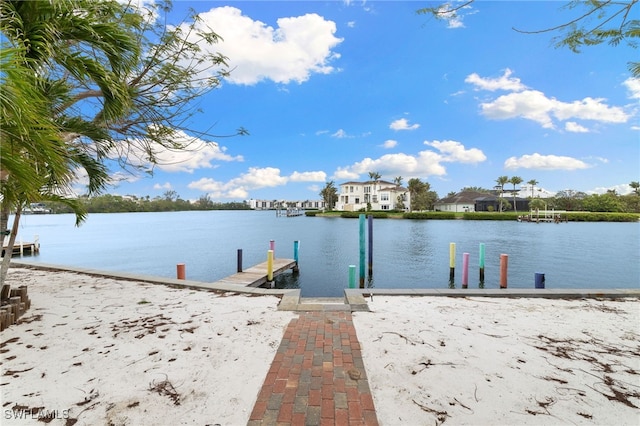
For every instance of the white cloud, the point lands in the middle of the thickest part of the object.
(621, 189)
(403, 124)
(351, 24)
(544, 162)
(390, 143)
(254, 178)
(295, 49)
(455, 18)
(456, 152)
(534, 105)
(165, 185)
(505, 82)
(572, 126)
(196, 154)
(340, 134)
(423, 164)
(308, 177)
(633, 86)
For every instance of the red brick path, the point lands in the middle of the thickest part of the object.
(317, 376)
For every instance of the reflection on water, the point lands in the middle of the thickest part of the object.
(406, 253)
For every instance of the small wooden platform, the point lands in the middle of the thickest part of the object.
(257, 275)
(23, 249)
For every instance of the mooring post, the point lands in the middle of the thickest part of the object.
(181, 271)
(239, 260)
(352, 276)
(504, 262)
(452, 263)
(272, 247)
(296, 249)
(361, 217)
(370, 223)
(539, 280)
(465, 270)
(270, 267)
(481, 265)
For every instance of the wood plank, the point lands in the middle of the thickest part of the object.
(257, 275)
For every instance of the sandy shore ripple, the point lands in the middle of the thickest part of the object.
(95, 350)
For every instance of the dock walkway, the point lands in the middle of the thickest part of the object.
(23, 248)
(256, 275)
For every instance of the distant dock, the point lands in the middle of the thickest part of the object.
(257, 275)
(23, 248)
(290, 212)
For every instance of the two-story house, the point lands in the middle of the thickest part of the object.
(376, 195)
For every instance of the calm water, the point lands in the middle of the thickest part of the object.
(407, 254)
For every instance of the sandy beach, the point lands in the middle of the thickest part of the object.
(94, 350)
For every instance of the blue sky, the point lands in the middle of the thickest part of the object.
(332, 90)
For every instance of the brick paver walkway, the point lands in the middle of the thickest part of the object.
(317, 376)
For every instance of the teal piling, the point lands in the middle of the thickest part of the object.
(352, 276)
(370, 222)
(296, 247)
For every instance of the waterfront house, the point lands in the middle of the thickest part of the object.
(464, 201)
(373, 195)
(489, 203)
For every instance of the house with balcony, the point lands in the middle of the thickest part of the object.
(374, 195)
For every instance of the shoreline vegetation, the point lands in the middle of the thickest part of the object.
(572, 216)
(171, 202)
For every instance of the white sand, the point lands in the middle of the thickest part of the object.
(483, 361)
(121, 352)
(127, 353)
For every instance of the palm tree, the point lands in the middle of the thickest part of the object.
(397, 180)
(635, 185)
(48, 40)
(375, 177)
(533, 183)
(515, 180)
(501, 181)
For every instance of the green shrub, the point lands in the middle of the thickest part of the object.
(601, 217)
(311, 213)
(356, 215)
(429, 215)
(490, 216)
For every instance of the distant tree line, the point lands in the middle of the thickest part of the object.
(169, 202)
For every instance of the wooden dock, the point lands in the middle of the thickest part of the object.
(23, 248)
(257, 275)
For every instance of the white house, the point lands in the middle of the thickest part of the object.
(464, 201)
(378, 195)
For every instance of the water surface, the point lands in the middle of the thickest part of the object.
(406, 254)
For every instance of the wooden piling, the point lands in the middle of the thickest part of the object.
(239, 268)
(452, 263)
(181, 271)
(465, 270)
(362, 249)
(504, 262)
(481, 263)
(270, 266)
